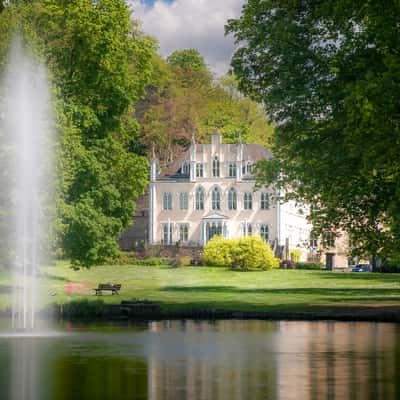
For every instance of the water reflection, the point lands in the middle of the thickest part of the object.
(24, 369)
(173, 360)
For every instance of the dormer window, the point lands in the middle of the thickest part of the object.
(249, 168)
(215, 167)
(185, 168)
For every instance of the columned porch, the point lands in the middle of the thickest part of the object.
(214, 224)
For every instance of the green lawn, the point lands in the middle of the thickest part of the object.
(206, 287)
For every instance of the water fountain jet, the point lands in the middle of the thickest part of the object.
(26, 131)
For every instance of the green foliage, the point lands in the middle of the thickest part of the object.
(249, 253)
(309, 265)
(189, 59)
(295, 255)
(183, 100)
(152, 261)
(252, 253)
(184, 261)
(327, 73)
(218, 252)
(99, 65)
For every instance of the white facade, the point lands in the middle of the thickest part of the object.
(210, 190)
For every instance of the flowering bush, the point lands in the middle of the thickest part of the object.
(218, 252)
(249, 253)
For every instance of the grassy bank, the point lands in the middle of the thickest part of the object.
(199, 288)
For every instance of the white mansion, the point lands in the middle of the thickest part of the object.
(210, 190)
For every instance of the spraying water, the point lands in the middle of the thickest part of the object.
(26, 127)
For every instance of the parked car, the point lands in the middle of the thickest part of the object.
(361, 268)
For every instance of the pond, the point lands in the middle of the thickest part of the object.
(228, 359)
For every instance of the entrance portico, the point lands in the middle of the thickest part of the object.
(214, 224)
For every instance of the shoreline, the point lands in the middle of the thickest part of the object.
(105, 312)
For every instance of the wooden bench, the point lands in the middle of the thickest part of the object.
(114, 289)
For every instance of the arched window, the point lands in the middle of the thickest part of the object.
(216, 199)
(232, 199)
(200, 198)
(264, 232)
(264, 201)
(215, 167)
(248, 201)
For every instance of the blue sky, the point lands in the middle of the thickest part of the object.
(182, 24)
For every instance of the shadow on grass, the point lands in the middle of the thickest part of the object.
(357, 294)
(54, 277)
(359, 276)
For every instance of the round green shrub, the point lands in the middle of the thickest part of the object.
(253, 253)
(218, 252)
(249, 253)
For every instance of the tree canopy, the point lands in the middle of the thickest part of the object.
(99, 64)
(328, 75)
(189, 59)
(183, 100)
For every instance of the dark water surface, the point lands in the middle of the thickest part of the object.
(226, 360)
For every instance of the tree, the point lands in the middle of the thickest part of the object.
(183, 100)
(189, 59)
(99, 64)
(327, 74)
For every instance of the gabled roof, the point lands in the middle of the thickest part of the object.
(251, 152)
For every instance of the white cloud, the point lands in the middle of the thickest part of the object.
(195, 24)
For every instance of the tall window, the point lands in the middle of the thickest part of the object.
(215, 167)
(247, 229)
(167, 234)
(248, 201)
(328, 239)
(313, 240)
(183, 201)
(184, 232)
(216, 199)
(264, 232)
(232, 170)
(185, 168)
(199, 198)
(167, 201)
(199, 170)
(264, 201)
(232, 199)
(249, 168)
